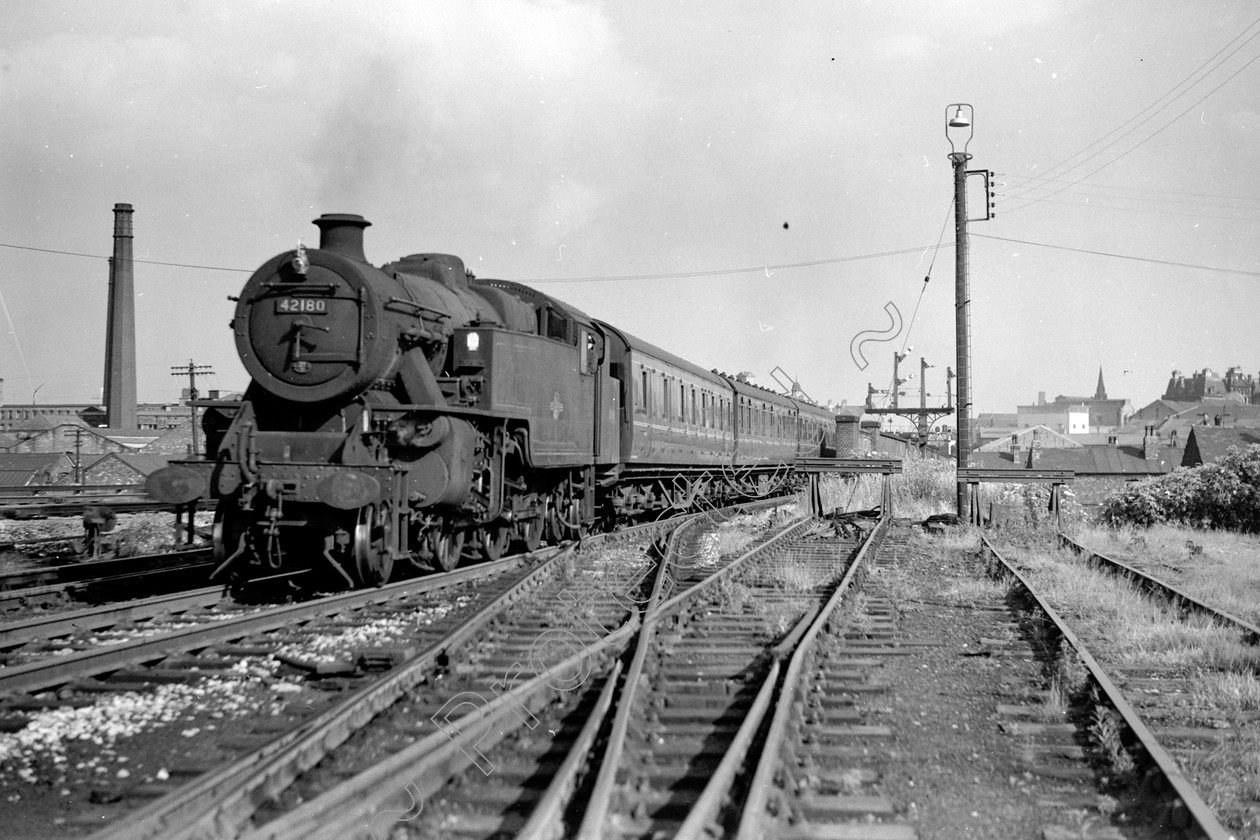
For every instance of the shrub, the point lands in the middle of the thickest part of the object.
(1224, 495)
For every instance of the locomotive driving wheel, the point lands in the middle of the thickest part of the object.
(494, 539)
(530, 532)
(448, 545)
(564, 519)
(373, 554)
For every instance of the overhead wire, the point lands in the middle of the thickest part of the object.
(923, 289)
(142, 262)
(1140, 143)
(728, 271)
(939, 239)
(614, 278)
(1121, 256)
(1171, 95)
(1087, 201)
(1173, 195)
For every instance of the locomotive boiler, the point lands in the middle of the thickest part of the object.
(414, 413)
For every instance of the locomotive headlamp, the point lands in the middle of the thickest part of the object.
(300, 261)
(473, 342)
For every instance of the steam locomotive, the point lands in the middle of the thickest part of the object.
(414, 413)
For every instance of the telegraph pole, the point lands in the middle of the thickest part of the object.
(78, 455)
(923, 420)
(191, 371)
(960, 124)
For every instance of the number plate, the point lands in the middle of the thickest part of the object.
(301, 306)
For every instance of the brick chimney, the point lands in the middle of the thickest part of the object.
(120, 328)
(846, 434)
(1150, 444)
(1015, 448)
(1034, 450)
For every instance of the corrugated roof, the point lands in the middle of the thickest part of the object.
(29, 460)
(17, 469)
(15, 478)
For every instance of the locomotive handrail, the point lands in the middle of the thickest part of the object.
(419, 306)
(330, 288)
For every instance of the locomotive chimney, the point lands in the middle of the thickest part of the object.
(120, 328)
(342, 233)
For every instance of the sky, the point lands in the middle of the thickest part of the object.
(752, 186)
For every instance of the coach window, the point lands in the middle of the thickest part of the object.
(640, 392)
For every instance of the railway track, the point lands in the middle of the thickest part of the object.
(519, 636)
(250, 757)
(695, 692)
(246, 680)
(94, 581)
(1140, 714)
(499, 749)
(1178, 600)
(854, 751)
(46, 627)
(687, 698)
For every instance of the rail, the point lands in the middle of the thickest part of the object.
(39, 491)
(1158, 588)
(719, 789)
(1201, 815)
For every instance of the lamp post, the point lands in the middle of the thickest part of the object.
(959, 130)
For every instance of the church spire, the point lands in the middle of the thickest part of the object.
(1101, 392)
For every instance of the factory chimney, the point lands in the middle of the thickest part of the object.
(120, 328)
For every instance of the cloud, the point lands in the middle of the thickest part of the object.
(503, 102)
(396, 104)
